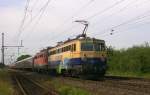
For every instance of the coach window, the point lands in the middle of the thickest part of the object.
(59, 50)
(64, 49)
(53, 52)
(74, 47)
(69, 47)
(50, 53)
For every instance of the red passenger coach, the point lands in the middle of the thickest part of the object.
(41, 60)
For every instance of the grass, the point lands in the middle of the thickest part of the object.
(60, 85)
(65, 89)
(128, 74)
(5, 85)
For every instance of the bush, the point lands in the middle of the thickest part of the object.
(132, 60)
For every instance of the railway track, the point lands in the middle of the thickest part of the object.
(27, 86)
(110, 85)
(113, 85)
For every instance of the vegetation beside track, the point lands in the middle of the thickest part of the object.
(5, 83)
(65, 89)
(131, 62)
(59, 85)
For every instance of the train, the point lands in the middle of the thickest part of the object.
(74, 57)
(81, 56)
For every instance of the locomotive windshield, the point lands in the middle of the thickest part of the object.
(90, 46)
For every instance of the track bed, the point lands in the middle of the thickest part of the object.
(110, 85)
(28, 86)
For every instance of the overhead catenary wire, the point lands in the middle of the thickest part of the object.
(38, 16)
(104, 10)
(94, 16)
(24, 17)
(108, 8)
(75, 13)
(116, 32)
(124, 23)
(42, 10)
(120, 10)
(34, 4)
(89, 4)
(114, 5)
(133, 19)
(32, 8)
(63, 32)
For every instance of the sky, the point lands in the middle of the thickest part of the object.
(49, 21)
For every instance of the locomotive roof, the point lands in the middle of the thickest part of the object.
(41, 52)
(75, 39)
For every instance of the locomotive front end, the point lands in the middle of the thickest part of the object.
(93, 57)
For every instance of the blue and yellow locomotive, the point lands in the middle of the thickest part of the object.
(80, 56)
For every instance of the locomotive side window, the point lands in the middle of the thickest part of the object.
(63, 49)
(74, 47)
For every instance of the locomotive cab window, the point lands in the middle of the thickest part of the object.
(92, 46)
(102, 46)
(86, 47)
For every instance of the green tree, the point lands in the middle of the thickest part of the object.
(134, 60)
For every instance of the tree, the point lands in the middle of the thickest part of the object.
(23, 57)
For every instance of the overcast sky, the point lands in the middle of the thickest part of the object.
(49, 21)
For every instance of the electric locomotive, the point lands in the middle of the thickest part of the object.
(82, 56)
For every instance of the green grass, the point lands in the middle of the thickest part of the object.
(65, 89)
(5, 85)
(128, 74)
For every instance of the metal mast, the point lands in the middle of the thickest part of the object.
(3, 48)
